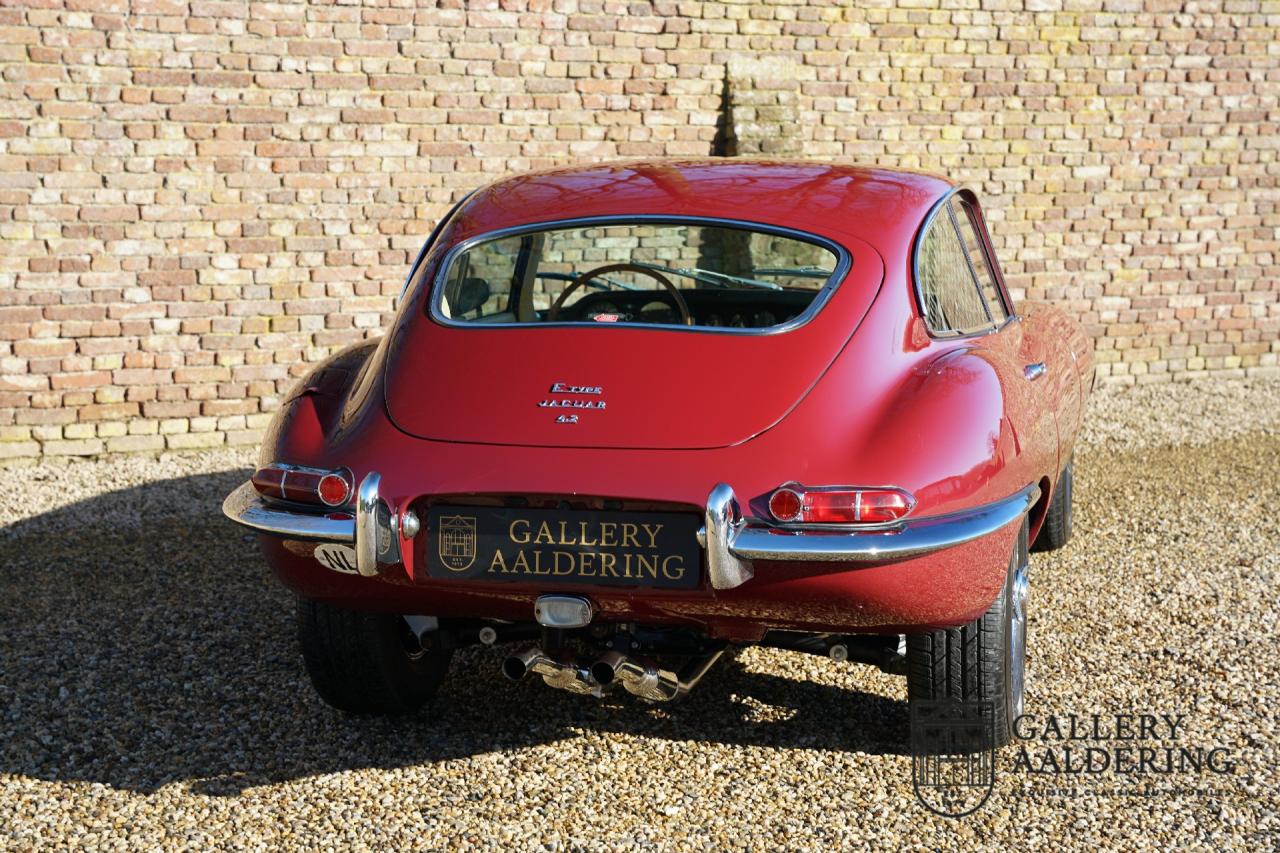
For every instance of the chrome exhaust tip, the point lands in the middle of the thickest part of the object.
(605, 670)
(648, 681)
(517, 666)
(561, 674)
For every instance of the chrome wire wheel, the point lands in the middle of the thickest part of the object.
(1018, 637)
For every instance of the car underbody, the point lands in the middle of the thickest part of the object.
(656, 663)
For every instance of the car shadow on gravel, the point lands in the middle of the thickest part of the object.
(145, 644)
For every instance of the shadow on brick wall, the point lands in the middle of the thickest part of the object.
(146, 644)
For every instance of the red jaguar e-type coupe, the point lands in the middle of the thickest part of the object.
(636, 414)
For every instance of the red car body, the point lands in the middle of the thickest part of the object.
(861, 393)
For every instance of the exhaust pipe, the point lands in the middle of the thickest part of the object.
(563, 675)
(649, 682)
(888, 652)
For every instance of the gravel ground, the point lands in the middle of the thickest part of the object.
(151, 693)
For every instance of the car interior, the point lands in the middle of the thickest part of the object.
(662, 274)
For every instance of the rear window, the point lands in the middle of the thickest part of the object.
(653, 273)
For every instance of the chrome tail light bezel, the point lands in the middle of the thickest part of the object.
(796, 520)
(304, 493)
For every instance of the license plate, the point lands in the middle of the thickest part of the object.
(651, 549)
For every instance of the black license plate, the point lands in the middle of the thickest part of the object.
(651, 549)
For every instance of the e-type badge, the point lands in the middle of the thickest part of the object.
(458, 542)
(570, 402)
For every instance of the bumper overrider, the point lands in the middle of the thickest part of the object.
(731, 541)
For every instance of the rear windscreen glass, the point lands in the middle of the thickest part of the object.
(675, 274)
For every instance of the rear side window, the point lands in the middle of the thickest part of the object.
(951, 301)
(958, 293)
(967, 219)
(654, 273)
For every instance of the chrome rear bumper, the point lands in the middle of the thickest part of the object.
(374, 528)
(245, 506)
(731, 542)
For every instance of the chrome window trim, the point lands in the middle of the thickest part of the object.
(844, 262)
(968, 260)
(934, 334)
(988, 253)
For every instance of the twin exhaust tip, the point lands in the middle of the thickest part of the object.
(565, 675)
(639, 679)
(605, 670)
(516, 667)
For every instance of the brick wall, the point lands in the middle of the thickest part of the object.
(199, 197)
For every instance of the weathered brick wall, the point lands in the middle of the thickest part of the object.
(198, 197)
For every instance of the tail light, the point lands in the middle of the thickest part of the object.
(798, 504)
(305, 485)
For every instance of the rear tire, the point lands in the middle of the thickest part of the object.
(1056, 530)
(367, 663)
(982, 661)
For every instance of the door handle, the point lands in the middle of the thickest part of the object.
(1034, 371)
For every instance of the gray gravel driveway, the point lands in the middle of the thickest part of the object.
(151, 693)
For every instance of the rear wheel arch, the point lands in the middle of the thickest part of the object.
(1056, 530)
(1036, 515)
(320, 404)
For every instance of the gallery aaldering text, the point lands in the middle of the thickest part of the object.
(1123, 744)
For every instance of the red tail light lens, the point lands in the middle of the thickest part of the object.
(305, 485)
(785, 504)
(839, 505)
(333, 489)
(881, 505)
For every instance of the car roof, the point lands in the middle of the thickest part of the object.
(880, 206)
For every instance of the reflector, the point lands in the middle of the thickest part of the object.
(785, 505)
(333, 489)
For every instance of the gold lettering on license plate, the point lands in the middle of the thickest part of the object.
(533, 551)
(540, 545)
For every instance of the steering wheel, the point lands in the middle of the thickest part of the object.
(685, 316)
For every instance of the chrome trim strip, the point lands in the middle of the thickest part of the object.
(245, 506)
(844, 262)
(366, 525)
(732, 545)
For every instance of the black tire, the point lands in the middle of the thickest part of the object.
(367, 663)
(1056, 530)
(975, 662)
